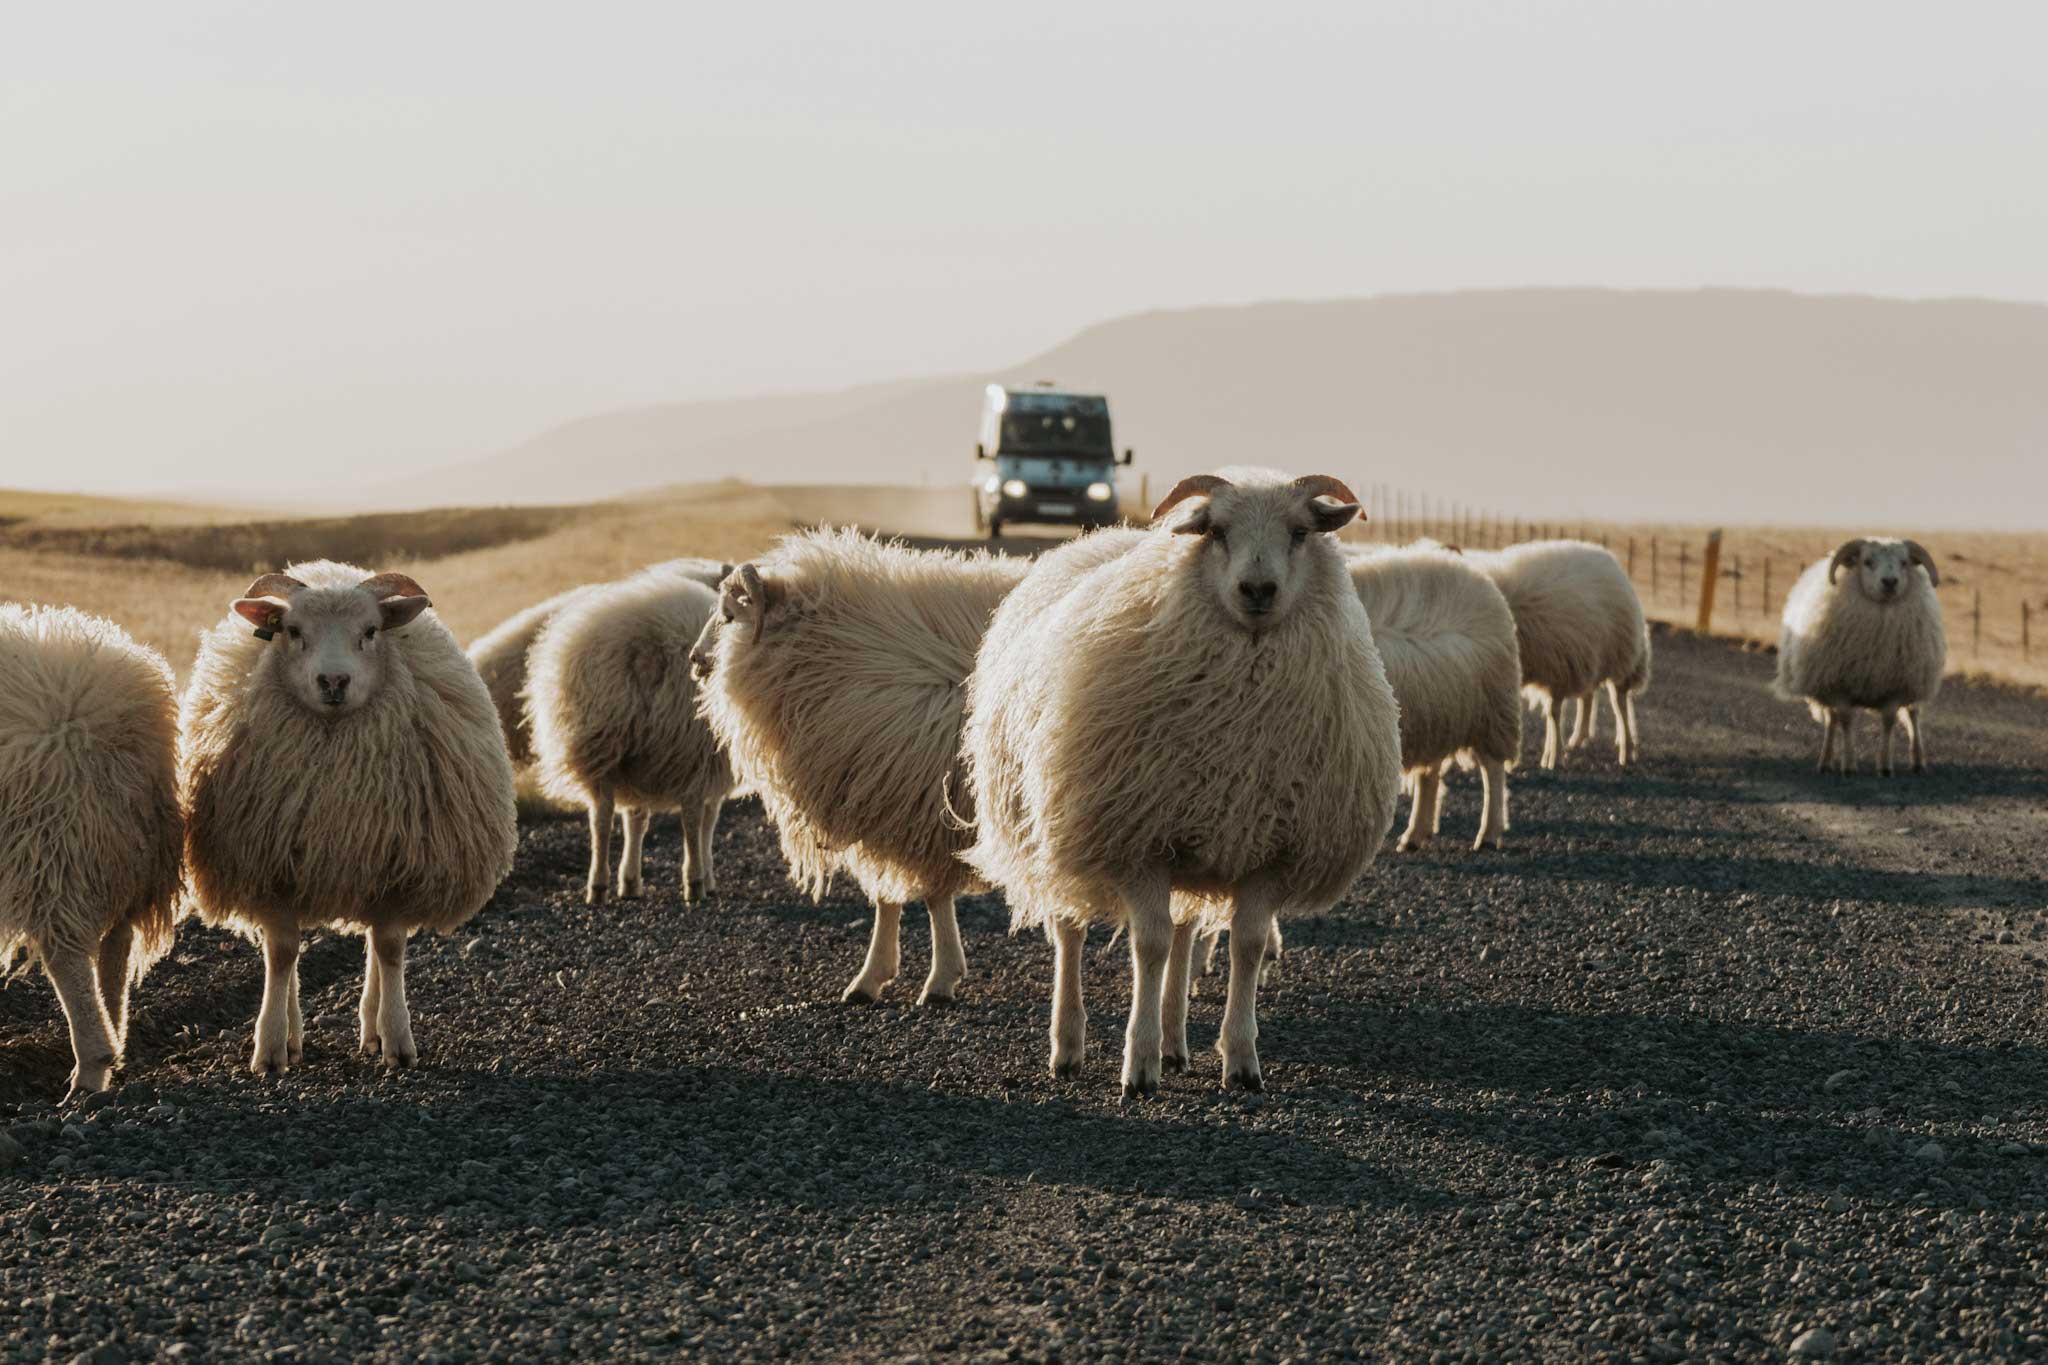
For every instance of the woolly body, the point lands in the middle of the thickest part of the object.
(90, 837)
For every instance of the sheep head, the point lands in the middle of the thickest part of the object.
(746, 597)
(1883, 568)
(329, 641)
(1263, 534)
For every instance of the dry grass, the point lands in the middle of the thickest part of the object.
(1986, 579)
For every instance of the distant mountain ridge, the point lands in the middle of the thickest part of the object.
(1746, 406)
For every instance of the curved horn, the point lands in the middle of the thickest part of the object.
(1844, 557)
(1324, 486)
(279, 585)
(1917, 552)
(750, 596)
(1193, 486)
(385, 585)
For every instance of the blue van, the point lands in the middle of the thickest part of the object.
(1054, 461)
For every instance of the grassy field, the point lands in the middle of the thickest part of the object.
(163, 570)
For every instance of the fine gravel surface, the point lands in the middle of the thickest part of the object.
(1719, 1059)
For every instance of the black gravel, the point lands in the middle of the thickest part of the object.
(1717, 1056)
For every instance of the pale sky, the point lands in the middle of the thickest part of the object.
(276, 246)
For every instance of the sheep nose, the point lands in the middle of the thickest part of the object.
(1890, 584)
(1258, 596)
(333, 687)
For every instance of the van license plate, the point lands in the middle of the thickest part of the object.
(1056, 509)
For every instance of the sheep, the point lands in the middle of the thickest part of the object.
(833, 674)
(1448, 641)
(1873, 641)
(1191, 730)
(340, 765)
(91, 844)
(612, 707)
(1578, 626)
(501, 655)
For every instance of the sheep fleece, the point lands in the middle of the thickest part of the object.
(611, 702)
(398, 814)
(846, 714)
(1135, 727)
(1837, 648)
(89, 827)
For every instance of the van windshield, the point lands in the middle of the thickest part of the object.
(1056, 424)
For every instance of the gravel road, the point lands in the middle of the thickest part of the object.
(1718, 1056)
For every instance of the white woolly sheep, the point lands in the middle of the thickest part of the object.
(834, 674)
(340, 765)
(1578, 626)
(501, 655)
(1872, 641)
(613, 712)
(1194, 731)
(1448, 641)
(91, 843)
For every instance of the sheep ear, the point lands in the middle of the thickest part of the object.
(1845, 557)
(1917, 552)
(752, 598)
(400, 611)
(260, 612)
(1195, 523)
(1326, 516)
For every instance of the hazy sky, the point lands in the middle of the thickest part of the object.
(280, 246)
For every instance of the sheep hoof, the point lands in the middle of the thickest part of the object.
(396, 1060)
(860, 993)
(936, 996)
(693, 893)
(593, 895)
(1139, 1088)
(274, 1063)
(295, 1050)
(1173, 1064)
(88, 1078)
(1066, 1068)
(1245, 1078)
(629, 891)
(371, 1044)
(1414, 845)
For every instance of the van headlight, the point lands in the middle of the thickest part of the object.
(1100, 492)
(1015, 488)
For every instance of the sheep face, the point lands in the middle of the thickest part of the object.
(1883, 568)
(1260, 539)
(329, 642)
(746, 598)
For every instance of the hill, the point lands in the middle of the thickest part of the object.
(1713, 405)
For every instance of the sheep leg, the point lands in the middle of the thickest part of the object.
(294, 1022)
(1493, 819)
(1148, 912)
(1827, 740)
(394, 1020)
(885, 955)
(598, 882)
(1436, 818)
(1584, 721)
(1845, 722)
(703, 875)
(1912, 715)
(1251, 922)
(272, 1053)
(949, 959)
(1069, 1014)
(636, 821)
(1890, 722)
(1624, 725)
(1173, 1008)
(1269, 965)
(93, 1048)
(1553, 731)
(1208, 961)
(370, 1040)
(1428, 787)
(113, 975)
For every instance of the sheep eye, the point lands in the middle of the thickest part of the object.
(1216, 533)
(369, 632)
(292, 631)
(1299, 535)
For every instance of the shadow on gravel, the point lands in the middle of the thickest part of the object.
(1714, 1099)
(611, 1148)
(1646, 874)
(1943, 784)
(211, 981)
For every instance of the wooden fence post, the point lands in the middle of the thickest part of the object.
(1653, 568)
(1735, 575)
(1976, 621)
(1681, 573)
(1710, 573)
(1631, 559)
(1767, 585)
(2026, 632)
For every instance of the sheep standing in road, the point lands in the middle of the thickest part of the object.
(1448, 641)
(1578, 627)
(340, 765)
(833, 672)
(91, 844)
(1194, 731)
(613, 711)
(1862, 630)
